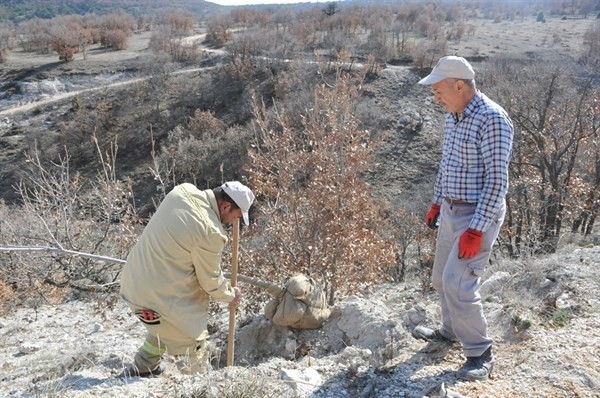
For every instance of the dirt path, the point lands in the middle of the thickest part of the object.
(66, 95)
(138, 46)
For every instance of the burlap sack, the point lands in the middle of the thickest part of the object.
(301, 305)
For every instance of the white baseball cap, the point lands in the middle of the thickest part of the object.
(450, 66)
(241, 195)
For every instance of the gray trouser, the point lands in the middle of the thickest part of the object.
(458, 280)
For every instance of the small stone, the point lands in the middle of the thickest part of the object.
(28, 348)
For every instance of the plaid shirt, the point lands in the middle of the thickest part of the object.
(475, 158)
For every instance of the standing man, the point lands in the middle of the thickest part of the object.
(469, 199)
(173, 270)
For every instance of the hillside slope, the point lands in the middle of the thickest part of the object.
(364, 350)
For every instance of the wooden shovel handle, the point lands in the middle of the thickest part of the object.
(234, 273)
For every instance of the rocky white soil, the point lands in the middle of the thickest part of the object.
(364, 350)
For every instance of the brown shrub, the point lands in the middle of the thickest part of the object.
(114, 38)
(316, 214)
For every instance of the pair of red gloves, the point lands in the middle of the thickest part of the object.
(469, 243)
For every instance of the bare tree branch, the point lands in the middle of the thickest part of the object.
(60, 251)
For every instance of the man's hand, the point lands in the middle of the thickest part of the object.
(469, 243)
(432, 216)
(238, 296)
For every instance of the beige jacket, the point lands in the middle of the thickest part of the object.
(176, 264)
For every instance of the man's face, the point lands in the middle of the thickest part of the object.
(228, 214)
(449, 93)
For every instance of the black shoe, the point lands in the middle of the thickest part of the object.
(477, 368)
(427, 334)
(133, 371)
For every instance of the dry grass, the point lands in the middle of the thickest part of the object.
(100, 60)
(554, 39)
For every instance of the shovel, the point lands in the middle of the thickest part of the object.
(233, 279)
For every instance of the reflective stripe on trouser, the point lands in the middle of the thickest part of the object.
(149, 354)
(458, 280)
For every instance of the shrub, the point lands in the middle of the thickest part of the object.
(114, 38)
(61, 210)
(540, 17)
(204, 151)
(317, 215)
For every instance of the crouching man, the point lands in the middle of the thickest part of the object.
(174, 269)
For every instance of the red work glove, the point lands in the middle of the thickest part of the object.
(432, 216)
(469, 243)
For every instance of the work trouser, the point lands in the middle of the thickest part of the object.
(458, 280)
(191, 355)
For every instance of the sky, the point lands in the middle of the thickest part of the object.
(247, 2)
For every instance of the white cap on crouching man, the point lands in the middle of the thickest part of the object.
(241, 195)
(450, 66)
